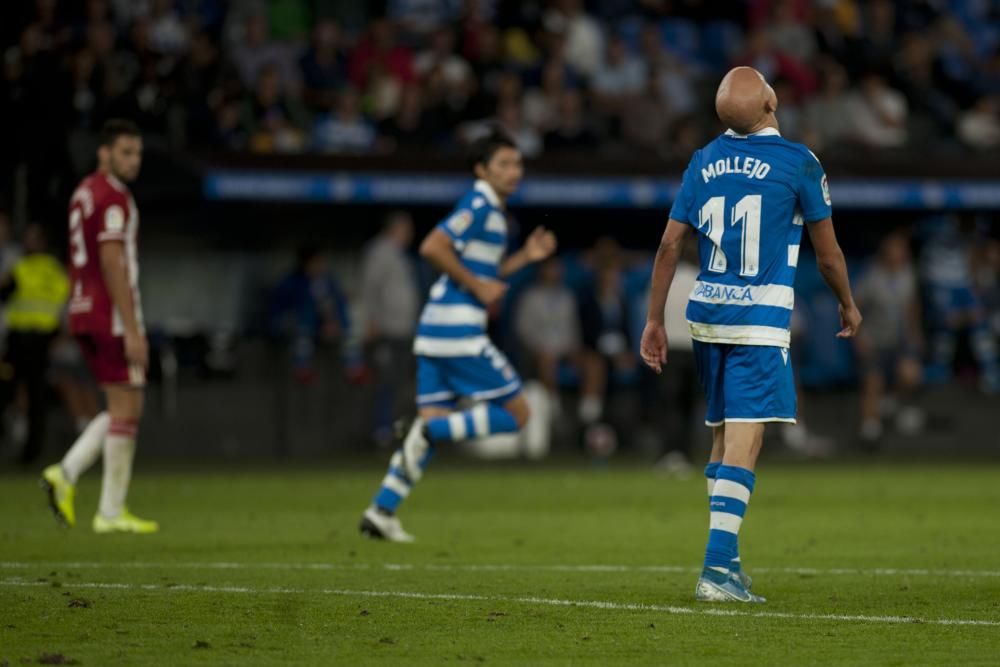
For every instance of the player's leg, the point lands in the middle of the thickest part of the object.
(59, 480)
(492, 382)
(759, 387)
(379, 519)
(125, 405)
(711, 472)
(434, 398)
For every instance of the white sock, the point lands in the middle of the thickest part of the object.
(119, 448)
(87, 448)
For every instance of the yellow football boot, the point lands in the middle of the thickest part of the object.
(126, 522)
(60, 492)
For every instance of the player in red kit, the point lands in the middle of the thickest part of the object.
(105, 316)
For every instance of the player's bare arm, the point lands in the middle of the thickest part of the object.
(115, 270)
(539, 246)
(437, 249)
(833, 268)
(653, 347)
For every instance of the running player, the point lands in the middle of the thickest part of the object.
(747, 194)
(455, 358)
(105, 316)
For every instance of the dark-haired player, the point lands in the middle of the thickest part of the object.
(455, 358)
(105, 316)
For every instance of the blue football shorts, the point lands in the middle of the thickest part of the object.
(486, 377)
(746, 383)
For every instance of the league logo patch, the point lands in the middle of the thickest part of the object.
(459, 222)
(826, 190)
(114, 220)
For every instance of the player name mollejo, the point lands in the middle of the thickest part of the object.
(738, 164)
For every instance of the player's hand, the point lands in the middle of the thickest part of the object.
(653, 348)
(540, 244)
(137, 350)
(489, 291)
(850, 321)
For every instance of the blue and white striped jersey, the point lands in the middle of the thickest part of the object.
(748, 196)
(453, 323)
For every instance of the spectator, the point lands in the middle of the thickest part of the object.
(207, 80)
(421, 17)
(168, 34)
(271, 119)
(915, 72)
(381, 68)
(483, 50)
(35, 291)
(390, 302)
(606, 332)
(827, 117)
(289, 20)
(456, 72)
(979, 127)
(674, 77)
(541, 103)
(548, 328)
(150, 90)
(571, 131)
(646, 120)
(953, 303)
(346, 130)
(878, 42)
(323, 66)
(878, 113)
(619, 79)
(790, 33)
(584, 40)
(891, 345)
(254, 51)
(510, 118)
(412, 126)
(308, 308)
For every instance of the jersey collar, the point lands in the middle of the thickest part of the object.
(766, 132)
(114, 182)
(485, 189)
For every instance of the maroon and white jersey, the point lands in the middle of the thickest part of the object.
(102, 210)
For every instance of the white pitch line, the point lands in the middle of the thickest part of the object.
(529, 600)
(457, 567)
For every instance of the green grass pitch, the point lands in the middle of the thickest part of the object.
(862, 565)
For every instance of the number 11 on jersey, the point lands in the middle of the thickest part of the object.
(747, 213)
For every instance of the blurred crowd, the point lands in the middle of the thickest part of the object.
(610, 77)
(617, 76)
(930, 293)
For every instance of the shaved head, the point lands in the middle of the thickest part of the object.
(745, 102)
